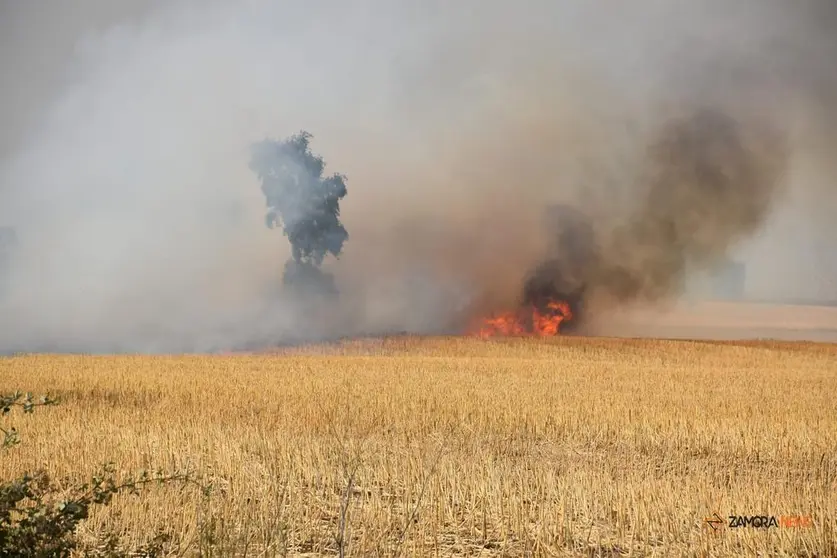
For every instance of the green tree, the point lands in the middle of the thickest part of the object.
(304, 203)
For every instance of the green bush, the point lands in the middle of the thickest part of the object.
(39, 521)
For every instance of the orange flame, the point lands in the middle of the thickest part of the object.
(545, 323)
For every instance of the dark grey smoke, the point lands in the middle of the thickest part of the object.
(570, 270)
(708, 187)
(709, 181)
(305, 204)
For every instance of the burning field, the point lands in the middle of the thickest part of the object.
(560, 200)
(708, 176)
(435, 314)
(709, 181)
(541, 322)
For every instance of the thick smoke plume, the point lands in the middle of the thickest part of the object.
(676, 132)
(709, 180)
(708, 187)
(305, 204)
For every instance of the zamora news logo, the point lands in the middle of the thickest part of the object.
(716, 522)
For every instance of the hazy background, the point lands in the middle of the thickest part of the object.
(126, 125)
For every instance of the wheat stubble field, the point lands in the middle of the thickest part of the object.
(459, 447)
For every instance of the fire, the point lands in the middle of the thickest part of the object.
(542, 323)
